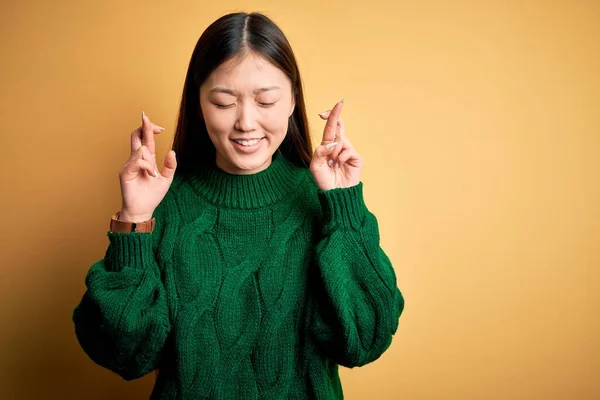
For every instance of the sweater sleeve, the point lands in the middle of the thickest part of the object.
(357, 301)
(122, 321)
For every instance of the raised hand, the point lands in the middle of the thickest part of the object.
(335, 163)
(142, 186)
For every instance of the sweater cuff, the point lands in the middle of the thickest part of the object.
(343, 207)
(129, 250)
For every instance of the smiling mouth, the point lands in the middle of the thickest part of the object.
(247, 143)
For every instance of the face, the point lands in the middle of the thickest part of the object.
(246, 106)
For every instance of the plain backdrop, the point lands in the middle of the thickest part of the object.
(479, 124)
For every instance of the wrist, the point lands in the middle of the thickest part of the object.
(129, 224)
(125, 216)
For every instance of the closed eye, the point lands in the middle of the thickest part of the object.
(224, 106)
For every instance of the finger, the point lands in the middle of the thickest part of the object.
(325, 114)
(147, 134)
(331, 126)
(135, 166)
(321, 155)
(142, 153)
(170, 164)
(348, 143)
(349, 156)
(345, 155)
(136, 136)
(148, 139)
(340, 138)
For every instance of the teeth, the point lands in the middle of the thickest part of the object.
(247, 142)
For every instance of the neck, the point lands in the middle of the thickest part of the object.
(272, 184)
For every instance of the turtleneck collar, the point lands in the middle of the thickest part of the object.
(257, 190)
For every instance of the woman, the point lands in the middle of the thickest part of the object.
(247, 267)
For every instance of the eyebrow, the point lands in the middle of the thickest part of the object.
(233, 93)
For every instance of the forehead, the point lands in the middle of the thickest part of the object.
(249, 71)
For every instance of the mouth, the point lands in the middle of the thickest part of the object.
(247, 142)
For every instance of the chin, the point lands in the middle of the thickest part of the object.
(248, 164)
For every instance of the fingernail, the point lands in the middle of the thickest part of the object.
(160, 127)
(155, 173)
(330, 145)
(322, 114)
(337, 165)
(342, 101)
(143, 114)
(330, 163)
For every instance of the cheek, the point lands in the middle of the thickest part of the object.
(276, 123)
(217, 123)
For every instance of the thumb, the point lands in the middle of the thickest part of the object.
(170, 164)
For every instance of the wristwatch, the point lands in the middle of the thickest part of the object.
(118, 226)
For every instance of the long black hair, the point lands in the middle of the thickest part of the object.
(230, 36)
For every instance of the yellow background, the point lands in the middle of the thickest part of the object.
(479, 124)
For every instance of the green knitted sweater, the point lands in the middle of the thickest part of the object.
(251, 286)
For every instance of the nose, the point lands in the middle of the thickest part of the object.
(246, 117)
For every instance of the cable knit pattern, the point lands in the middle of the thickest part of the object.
(250, 287)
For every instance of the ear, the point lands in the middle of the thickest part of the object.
(292, 108)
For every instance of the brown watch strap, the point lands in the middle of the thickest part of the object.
(118, 226)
